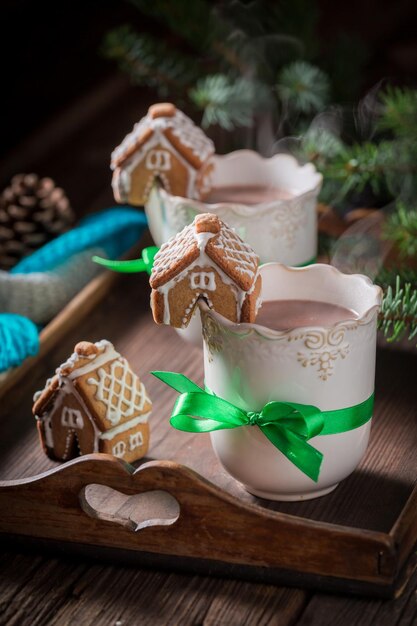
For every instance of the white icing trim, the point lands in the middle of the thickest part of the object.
(38, 393)
(96, 362)
(72, 361)
(47, 429)
(203, 239)
(116, 430)
(167, 313)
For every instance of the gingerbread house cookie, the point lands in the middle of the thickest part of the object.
(207, 260)
(94, 403)
(165, 145)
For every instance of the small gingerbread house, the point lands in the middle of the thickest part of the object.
(206, 260)
(165, 145)
(94, 403)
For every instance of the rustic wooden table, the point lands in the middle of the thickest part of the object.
(42, 588)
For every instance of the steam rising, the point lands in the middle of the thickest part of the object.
(361, 249)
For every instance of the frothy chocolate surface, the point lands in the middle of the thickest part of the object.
(247, 194)
(285, 314)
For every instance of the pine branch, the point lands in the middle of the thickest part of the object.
(399, 164)
(148, 61)
(358, 166)
(398, 315)
(401, 228)
(387, 277)
(319, 146)
(226, 102)
(399, 112)
(193, 21)
(304, 88)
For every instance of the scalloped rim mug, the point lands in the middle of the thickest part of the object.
(283, 230)
(330, 367)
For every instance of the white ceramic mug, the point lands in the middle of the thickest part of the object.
(329, 367)
(282, 230)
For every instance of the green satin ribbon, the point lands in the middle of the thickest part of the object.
(287, 425)
(143, 264)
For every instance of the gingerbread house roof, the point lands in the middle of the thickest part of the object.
(164, 118)
(206, 236)
(87, 355)
(44, 398)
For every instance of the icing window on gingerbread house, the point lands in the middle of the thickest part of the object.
(158, 160)
(119, 449)
(71, 418)
(203, 280)
(135, 441)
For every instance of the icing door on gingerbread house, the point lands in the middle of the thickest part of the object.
(162, 163)
(200, 283)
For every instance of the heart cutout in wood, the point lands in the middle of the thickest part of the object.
(138, 511)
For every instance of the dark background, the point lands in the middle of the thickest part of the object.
(50, 51)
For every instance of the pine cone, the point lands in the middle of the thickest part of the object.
(32, 212)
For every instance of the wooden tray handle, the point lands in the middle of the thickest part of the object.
(179, 513)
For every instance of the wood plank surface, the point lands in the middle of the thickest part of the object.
(36, 590)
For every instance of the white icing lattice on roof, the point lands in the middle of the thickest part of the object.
(130, 140)
(236, 252)
(169, 259)
(190, 136)
(120, 390)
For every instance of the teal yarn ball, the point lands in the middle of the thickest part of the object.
(18, 339)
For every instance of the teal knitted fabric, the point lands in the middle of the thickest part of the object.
(114, 230)
(18, 340)
(40, 285)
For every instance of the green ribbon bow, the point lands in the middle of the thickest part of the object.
(288, 425)
(143, 264)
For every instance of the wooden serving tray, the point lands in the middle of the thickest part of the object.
(179, 509)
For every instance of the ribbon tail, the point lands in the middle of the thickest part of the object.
(124, 267)
(200, 412)
(177, 381)
(296, 449)
(148, 255)
(133, 266)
